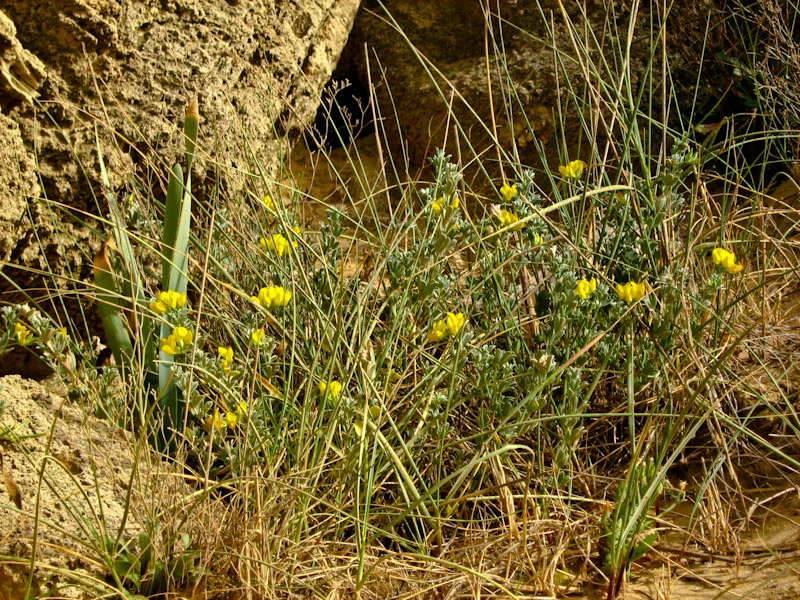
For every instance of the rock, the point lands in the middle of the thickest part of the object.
(17, 183)
(21, 73)
(451, 35)
(83, 492)
(126, 68)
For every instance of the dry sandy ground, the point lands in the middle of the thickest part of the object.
(73, 460)
(73, 471)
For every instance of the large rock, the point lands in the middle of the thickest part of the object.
(85, 466)
(126, 68)
(452, 35)
(17, 182)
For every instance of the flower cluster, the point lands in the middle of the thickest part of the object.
(508, 191)
(230, 419)
(448, 326)
(257, 337)
(279, 244)
(331, 388)
(585, 288)
(178, 342)
(226, 354)
(438, 205)
(272, 296)
(631, 292)
(572, 170)
(167, 301)
(509, 219)
(21, 333)
(726, 261)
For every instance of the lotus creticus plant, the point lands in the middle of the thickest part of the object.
(168, 301)
(508, 191)
(278, 244)
(509, 219)
(21, 333)
(178, 342)
(439, 205)
(585, 288)
(331, 389)
(451, 325)
(631, 292)
(726, 261)
(572, 170)
(257, 337)
(226, 354)
(272, 296)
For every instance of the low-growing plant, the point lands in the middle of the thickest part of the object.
(497, 354)
(137, 566)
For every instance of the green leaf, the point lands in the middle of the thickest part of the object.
(643, 547)
(178, 279)
(110, 305)
(146, 549)
(128, 568)
(172, 216)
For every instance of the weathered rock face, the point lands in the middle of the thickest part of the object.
(93, 481)
(126, 68)
(78, 453)
(525, 75)
(452, 37)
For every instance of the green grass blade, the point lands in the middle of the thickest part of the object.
(171, 220)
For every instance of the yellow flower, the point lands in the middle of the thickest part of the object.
(572, 170)
(178, 342)
(585, 288)
(631, 292)
(268, 202)
(726, 261)
(438, 331)
(272, 296)
(333, 388)
(62, 331)
(227, 357)
(278, 244)
(454, 322)
(168, 301)
(509, 219)
(438, 205)
(241, 409)
(216, 422)
(451, 325)
(21, 332)
(257, 337)
(508, 191)
(230, 419)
